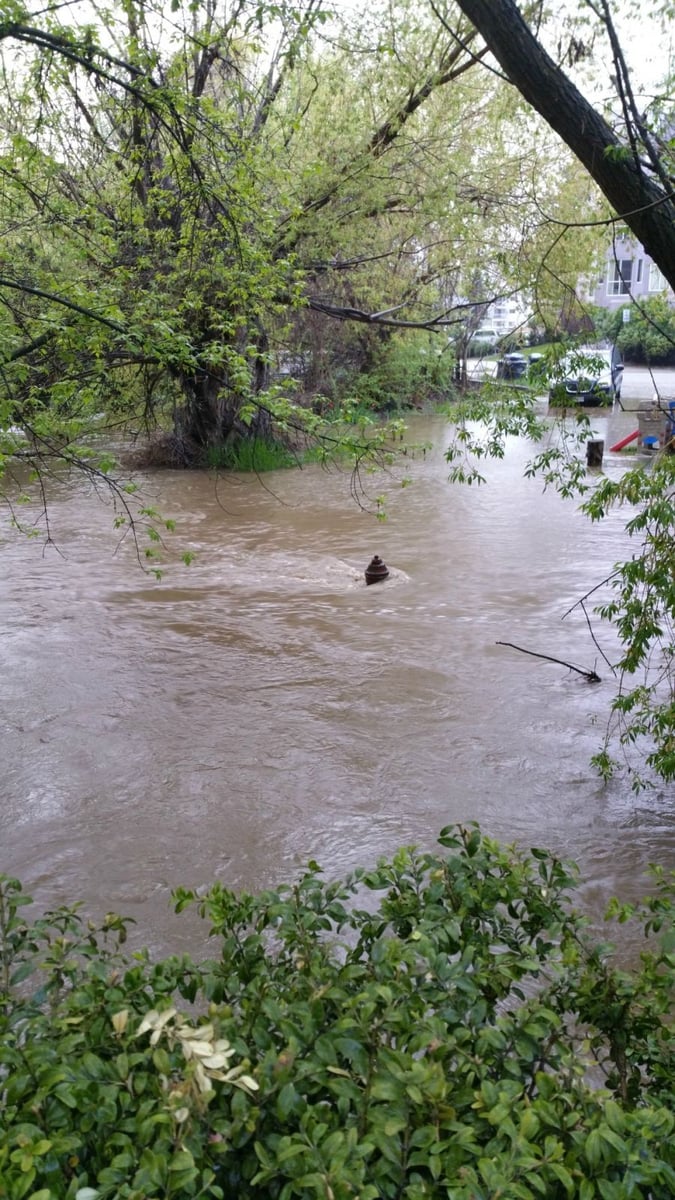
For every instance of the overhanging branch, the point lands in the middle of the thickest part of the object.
(17, 286)
(345, 313)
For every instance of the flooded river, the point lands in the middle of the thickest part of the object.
(263, 706)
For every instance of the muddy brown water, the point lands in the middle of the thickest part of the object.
(263, 706)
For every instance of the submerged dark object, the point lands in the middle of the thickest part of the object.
(376, 570)
(594, 453)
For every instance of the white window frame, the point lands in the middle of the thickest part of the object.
(619, 277)
(657, 282)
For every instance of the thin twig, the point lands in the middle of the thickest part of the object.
(595, 640)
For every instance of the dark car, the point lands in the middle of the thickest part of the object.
(591, 376)
(512, 366)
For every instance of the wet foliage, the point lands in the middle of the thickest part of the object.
(440, 1025)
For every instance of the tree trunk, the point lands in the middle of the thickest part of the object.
(210, 416)
(647, 209)
(206, 419)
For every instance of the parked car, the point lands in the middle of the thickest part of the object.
(590, 375)
(515, 365)
(512, 366)
(481, 342)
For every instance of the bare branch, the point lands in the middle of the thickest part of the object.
(591, 676)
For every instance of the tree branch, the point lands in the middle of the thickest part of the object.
(591, 676)
(78, 308)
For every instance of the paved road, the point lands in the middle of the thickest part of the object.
(639, 383)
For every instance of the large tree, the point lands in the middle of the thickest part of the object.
(171, 205)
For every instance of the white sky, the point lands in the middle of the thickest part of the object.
(648, 49)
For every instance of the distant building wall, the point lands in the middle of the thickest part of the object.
(629, 274)
(504, 316)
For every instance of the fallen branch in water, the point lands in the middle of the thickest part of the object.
(591, 676)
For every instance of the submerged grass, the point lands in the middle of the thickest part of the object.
(259, 456)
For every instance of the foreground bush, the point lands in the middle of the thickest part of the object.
(436, 1027)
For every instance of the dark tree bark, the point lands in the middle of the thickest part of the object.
(645, 205)
(208, 418)
(210, 414)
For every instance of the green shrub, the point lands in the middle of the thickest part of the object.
(478, 348)
(649, 334)
(408, 370)
(422, 1029)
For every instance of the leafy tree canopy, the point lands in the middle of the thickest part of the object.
(180, 190)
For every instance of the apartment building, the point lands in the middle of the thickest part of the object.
(629, 274)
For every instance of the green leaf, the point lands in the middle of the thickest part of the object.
(593, 1148)
(564, 1176)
